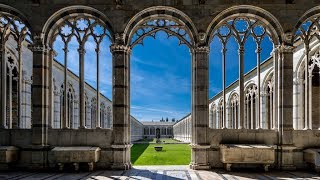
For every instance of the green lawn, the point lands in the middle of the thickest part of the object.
(172, 154)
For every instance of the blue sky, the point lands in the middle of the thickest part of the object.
(161, 72)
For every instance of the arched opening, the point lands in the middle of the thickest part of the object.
(241, 51)
(161, 78)
(307, 72)
(81, 57)
(16, 71)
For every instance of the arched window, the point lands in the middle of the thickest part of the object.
(213, 117)
(81, 42)
(57, 103)
(239, 44)
(14, 38)
(220, 123)
(103, 120)
(71, 121)
(88, 112)
(307, 33)
(234, 111)
(93, 113)
(109, 117)
(12, 84)
(250, 108)
(268, 120)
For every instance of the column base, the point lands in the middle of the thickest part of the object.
(287, 157)
(196, 166)
(121, 156)
(200, 160)
(121, 166)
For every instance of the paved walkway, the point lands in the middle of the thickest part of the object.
(162, 173)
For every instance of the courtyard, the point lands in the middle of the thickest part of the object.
(144, 153)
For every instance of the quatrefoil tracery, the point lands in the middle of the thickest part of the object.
(11, 25)
(241, 28)
(82, 28)
(170, 27)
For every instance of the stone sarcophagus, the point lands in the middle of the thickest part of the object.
(312, 156)
(247, 154)
(8, 155)
(76, 155)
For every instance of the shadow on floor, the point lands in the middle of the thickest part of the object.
(136, 151)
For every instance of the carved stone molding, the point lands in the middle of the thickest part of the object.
(120, 48)
(202, 49)
(286, 48)
(38, 48)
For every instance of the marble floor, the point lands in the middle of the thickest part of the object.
(162, 173)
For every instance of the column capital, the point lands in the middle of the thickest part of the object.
(38, 47)
(120, 48)
(284, 48)
(202, 49)
(81, 50)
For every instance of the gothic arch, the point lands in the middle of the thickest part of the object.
(167, 17)
(267, 77)
(57, 18)
(249, 84)
(258, 13)
(315, 11)
(17, 16)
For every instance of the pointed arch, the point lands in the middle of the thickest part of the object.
(270, 21)
(57, 18)
(168, 16)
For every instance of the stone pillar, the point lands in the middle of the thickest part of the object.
(285, 106)
(258, 124)
(241, 86)
(65, 90)
(98, 120)
(200, 107)
(10, 99)
(121, 106)
(40, 104)
(3, 86)
(308, 123)
(224, 119)
(82, 109)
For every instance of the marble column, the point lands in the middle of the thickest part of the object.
(121, 105)
(308, 123)
(65, 89)
(224, 119)
(9, 104)
(310, 99)
(241, 86)
(98, 120)
(3, 86)
(285, 106)
(258, 124)
(40, 104)
(200, 107)
(82, 98)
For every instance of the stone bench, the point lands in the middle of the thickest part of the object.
(247, 154)
(76, 155)
(8, 155)
(312, 156)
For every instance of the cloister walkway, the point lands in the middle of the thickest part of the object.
(163, 173)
